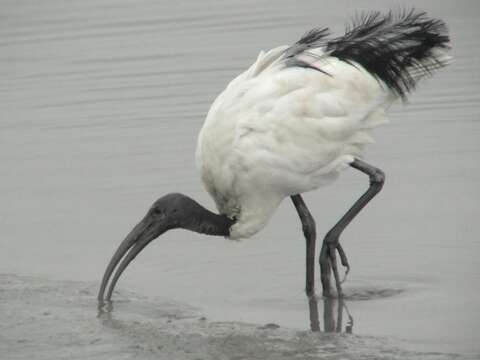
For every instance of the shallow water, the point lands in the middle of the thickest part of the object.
(100, 106)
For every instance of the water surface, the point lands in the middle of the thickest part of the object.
(100, 106)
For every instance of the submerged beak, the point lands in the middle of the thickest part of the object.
(171, 211)
(141, 235)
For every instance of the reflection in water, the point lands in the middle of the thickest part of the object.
(332, 320)
(333, 310)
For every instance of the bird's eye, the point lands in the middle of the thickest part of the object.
(156, 211)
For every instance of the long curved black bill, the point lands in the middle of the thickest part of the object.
(140, 236)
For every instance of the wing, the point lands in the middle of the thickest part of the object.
(300, 113)
(287, 129)
(298, 127)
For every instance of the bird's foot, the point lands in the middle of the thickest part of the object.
(328, 263)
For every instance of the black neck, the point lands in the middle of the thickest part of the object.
(186, 213)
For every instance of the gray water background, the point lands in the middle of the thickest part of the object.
(100, 106)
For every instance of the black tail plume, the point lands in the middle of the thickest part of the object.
(398, 49)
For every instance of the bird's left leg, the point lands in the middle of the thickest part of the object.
(308, 227)
(331, 241)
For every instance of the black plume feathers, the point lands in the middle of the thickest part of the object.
(397, 49)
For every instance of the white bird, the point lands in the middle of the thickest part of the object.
(290, 124)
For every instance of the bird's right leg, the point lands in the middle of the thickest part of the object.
(308, 227)
(328, 258)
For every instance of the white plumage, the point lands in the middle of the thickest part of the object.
(276, 131)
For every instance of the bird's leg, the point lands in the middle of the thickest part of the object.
(309, 231)
(331, 243)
